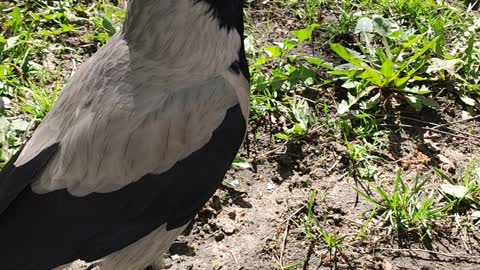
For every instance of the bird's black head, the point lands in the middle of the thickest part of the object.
(230, 15)
(228, 12)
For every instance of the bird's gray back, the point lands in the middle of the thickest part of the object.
(159, 109)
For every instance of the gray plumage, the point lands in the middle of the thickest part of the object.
(162, 105)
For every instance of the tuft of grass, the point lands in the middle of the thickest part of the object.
(316, 233)
(407, 209)
(37, 100)
(463, 196)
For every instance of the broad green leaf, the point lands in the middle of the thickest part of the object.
(3, 70)
(381, 55)
(381, 25)
(414, 102)
(25, 61)
(414, 39)
(429, 102)
(67, 27)
(467, 100)
(447, 65)
(298, 130)
(16, 19)
(11, 42)
(281, 136)
(108, 25)
(304, 34)
(413, 71)
(346, 55)
(318, 62)
(401, 81)
(395, 34)
(454, 190)
(344, 73)
(64, 28)
(249, 44)
(364, 25)
(4, 124)
(241, 163)
(350, 84)
(439, 29)
(260, 61)
(303, 73)
(371, 102)
(20, 124)
(343, 107)
(420, 79)
(34, 16)
(16, 15)
(417, 90)
(290, 44)
(413, 58)
(387, 69)
(45, 33)
(469, 50)
(313, 60)
(373, 77)
(422, 51)
(273, 51)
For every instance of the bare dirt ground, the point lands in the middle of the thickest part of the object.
(252, 226)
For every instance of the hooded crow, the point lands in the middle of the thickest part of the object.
(138, 141)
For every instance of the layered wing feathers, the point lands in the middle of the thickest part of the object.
(113, 137)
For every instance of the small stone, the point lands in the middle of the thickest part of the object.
(175, 257)
(270, 186)
(219, 237)
(339, 148)
(387, 265)
(5, 103)
(229, 228)
(337, 219)
(206, 228)
(216, 203)
(234, 183)
(232, 215)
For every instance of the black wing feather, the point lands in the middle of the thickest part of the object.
(14, 179)
(40, 232)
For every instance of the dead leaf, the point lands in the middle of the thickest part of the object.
(447, 165)
(387, 265)
(430, 140)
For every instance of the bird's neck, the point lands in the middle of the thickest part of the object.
(180, 32)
